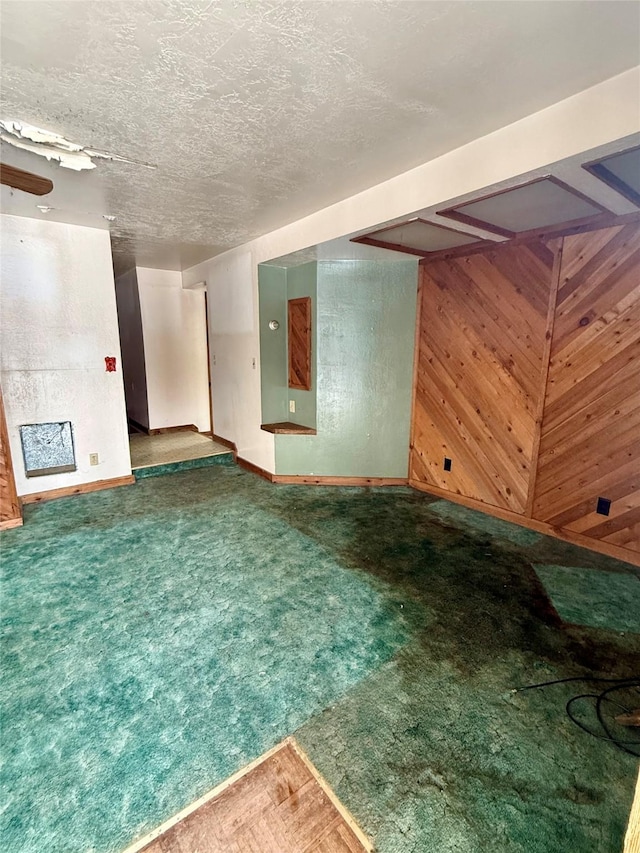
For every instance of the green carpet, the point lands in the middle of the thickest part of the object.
(588, 597)
(160, 636)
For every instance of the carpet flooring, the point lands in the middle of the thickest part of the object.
(159, 637)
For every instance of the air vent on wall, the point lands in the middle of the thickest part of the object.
(535, 206)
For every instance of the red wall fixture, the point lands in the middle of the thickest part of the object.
(110, 363)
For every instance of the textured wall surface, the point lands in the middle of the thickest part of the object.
(301, 281)
(272, 284)
(175, 349)
(366, 323)
(235, 356)
(132, 347)
(58, 314)
(276, 286)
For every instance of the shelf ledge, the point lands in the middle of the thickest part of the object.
(288, 428)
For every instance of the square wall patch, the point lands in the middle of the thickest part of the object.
(47, 448)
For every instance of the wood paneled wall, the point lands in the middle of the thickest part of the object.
(590, 442)
(528, 379)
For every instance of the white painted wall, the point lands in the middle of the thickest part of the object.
(58, 322)
(598, 116)
(175, 350)
(132, 347)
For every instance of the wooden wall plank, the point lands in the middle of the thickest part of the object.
(528, 378)
(590, 445)
(480, 373)
(10, 509)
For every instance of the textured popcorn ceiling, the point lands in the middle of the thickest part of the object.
(259, 113)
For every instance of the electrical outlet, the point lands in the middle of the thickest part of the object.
(93, 459)
(292, 405)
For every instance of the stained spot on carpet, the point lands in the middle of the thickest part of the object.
(588, 597)
(478, 521)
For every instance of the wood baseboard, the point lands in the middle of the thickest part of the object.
(309, 480)
(606, 548)
(8, 523)
(82, 489)
(224, 441)
(182, 428)
(254, 469)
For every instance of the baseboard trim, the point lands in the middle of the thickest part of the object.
(224, 441)
(83, 488)
(9, 523)
(254, 469)
(565, 535)
(309, 480)
(181, 428)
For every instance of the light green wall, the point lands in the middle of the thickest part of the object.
(272, 283)
(301, 281)
(365, 318)
(276, 286)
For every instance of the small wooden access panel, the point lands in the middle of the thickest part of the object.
(299, 333)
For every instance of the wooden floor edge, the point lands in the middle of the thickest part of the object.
(308, 480)
(83, 488)
(210, 795)
(10, 523)
(254, 469)
(632, 835)
(224, 441)
(342, 810)
(606, 548)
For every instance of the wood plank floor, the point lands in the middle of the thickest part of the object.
(280, 805)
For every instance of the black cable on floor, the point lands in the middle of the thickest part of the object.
(600, 699)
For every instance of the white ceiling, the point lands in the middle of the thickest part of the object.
(259, 113)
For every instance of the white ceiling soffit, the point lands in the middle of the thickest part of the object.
(620, 171)
(419, 237)
(258, 114)
(539, 203)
